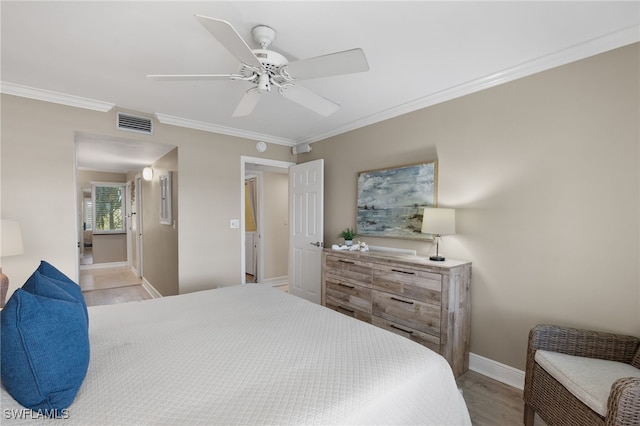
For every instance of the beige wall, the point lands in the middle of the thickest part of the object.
(276, 226)
(544, 174)
(159, 241)
(109, 248)
(38, 168)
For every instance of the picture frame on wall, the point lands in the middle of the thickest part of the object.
(390, 202)
(165, 199)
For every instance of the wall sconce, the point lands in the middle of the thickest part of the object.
(11, 246)
(438, 222)
(147, 173)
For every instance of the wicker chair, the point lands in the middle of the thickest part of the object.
(557, 406)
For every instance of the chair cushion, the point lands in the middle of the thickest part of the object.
(45, 348)
(588, 379)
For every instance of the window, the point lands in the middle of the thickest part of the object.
(108, 208)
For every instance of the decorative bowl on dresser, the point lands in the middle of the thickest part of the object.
(426, 301)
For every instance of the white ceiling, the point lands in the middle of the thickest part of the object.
(109, 154)
(97, 55)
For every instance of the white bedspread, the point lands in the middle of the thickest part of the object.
(254, 355)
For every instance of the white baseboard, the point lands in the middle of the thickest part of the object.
(104, 265)
(500, 372)
(274, 282)
(150, 289)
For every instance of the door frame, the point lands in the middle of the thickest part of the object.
(259, 219)
(128, 219)
(244, 160)
(138, 234)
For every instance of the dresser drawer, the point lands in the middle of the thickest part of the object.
(349, 270)
(407, 282)
(428, 340)
(415, 314)
(348, 294)
(348, 310)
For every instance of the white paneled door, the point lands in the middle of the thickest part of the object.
(306, 220)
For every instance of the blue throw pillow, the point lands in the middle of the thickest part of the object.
(58, 279)
(45, 348)
(48, 270)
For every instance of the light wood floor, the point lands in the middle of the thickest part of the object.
(490, 403)
(107, 286)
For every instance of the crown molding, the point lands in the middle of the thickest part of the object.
(55, 97)
(574, 53)
(214, 128)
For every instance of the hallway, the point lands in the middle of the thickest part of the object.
(107, 286)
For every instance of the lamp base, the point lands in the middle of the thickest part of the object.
(4, 286)
(437, 258)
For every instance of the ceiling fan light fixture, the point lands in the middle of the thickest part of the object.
(263, 83)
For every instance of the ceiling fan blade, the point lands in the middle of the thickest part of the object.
(247, 103)
(347, 62)
(230, 39)
(193, 77)
(310, 100)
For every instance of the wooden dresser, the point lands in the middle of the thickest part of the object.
(426, 301)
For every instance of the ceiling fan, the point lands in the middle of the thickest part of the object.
(266, 69)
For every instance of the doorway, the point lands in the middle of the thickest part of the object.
(252, 180)
(264, 251)
(112, 161)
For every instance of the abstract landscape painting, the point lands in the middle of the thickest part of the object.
(391, 201)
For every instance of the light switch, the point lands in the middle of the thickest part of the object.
(235, 223)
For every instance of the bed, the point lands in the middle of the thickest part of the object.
(252, 354)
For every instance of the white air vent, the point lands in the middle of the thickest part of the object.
(134, 123)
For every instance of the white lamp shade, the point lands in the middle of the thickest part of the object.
(147, 173)
(11, 238)
(439, 221)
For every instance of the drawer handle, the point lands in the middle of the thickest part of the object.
(401, 329)
(404, 272)
(408, 302)
(347, 286)
(345, 309)
(350, 262)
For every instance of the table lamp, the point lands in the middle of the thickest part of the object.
(438, 222)
(11, 246)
